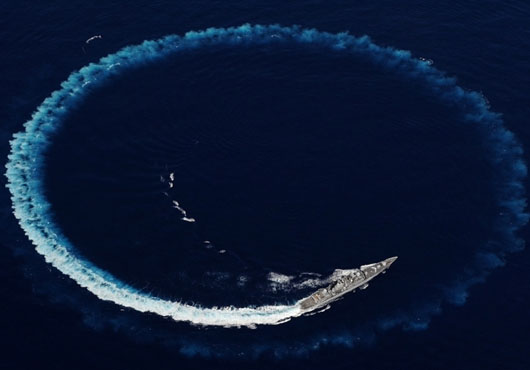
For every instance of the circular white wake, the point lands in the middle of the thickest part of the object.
(26, 160)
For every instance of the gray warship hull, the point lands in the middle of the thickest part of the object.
(357, 278)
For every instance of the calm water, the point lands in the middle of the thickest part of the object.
(291, 160)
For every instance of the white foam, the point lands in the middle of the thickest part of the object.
(279, 278)
(93, 38)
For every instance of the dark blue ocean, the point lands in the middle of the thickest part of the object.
(244, 167)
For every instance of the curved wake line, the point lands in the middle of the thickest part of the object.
(26, 162)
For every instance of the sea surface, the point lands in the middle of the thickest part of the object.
(245, 167)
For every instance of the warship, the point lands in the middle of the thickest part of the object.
(356, 278)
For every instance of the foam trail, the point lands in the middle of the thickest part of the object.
(89, 40)
(26, 161)
(182, 211)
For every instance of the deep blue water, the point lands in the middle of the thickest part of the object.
(291, 160)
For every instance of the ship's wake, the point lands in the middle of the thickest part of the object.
(26, 164)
